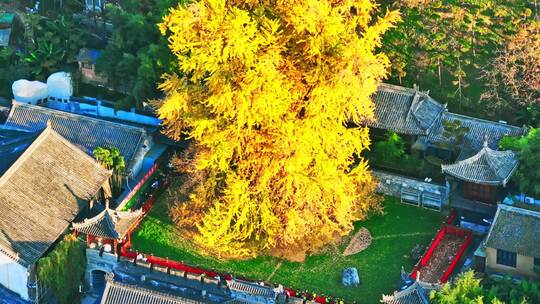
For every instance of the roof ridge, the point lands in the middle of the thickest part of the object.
(127, 213)
(89, 221)
(71, 115)
(490, 153)
(412, 108)
(481, 120)
(26, 154)
(110, 223)
(520, 210)
(145, 290)
(468, 160)
(81, 152)
(397, 87)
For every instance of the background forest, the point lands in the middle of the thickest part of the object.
(479, 56)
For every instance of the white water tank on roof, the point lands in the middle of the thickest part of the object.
(32, 92)
(59, 86)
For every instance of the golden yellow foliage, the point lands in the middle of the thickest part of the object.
(265, 89)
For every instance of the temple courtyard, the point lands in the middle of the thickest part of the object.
(394, 236)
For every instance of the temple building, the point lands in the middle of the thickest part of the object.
(87, 60)
(144, 283)
(122, 293)
(109, 227)
(85, 132)
(406, 111)
(476, 173)
(511, 246)
(46, 183)
(477, 183)
(439, 142)
(105, 233)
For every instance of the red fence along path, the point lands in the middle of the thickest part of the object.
(446, 238)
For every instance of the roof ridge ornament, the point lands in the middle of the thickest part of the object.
(486, 137)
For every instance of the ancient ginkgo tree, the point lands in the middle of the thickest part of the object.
(266, 90)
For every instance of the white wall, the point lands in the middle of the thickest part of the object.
(524, 264)
(13, 276)
(102, 111)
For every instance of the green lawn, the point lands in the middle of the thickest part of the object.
(395, 234)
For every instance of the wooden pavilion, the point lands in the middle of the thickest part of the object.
(109, 229)
(477, 183)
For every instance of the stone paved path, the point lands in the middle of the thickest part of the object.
(389, 236)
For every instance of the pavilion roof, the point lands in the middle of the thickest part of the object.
(414, 294)
(487, 167)
(109, 223)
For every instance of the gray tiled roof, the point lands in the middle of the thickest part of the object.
(85, 132)
(251, 288)
(414, 294)
(515, 229)
(478, 129)
(121, 293)
(487, 167)
(12, 146)
(404, 110)
(109, 223)
(42, 192)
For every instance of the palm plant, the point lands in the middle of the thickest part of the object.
(57, 42)
(111, 159)
(44, 59)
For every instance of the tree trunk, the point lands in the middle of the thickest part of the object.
(439, 71)
(459, 82)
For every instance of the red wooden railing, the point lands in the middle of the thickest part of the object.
(451, 218)
(127, 253)
(139, 184)
(434, 244)
(171, 264)
(445, 229)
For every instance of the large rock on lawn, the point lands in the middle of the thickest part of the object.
(350, 277)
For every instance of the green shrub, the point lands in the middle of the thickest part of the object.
(518, 143)
(62, 270)
(391, 149)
